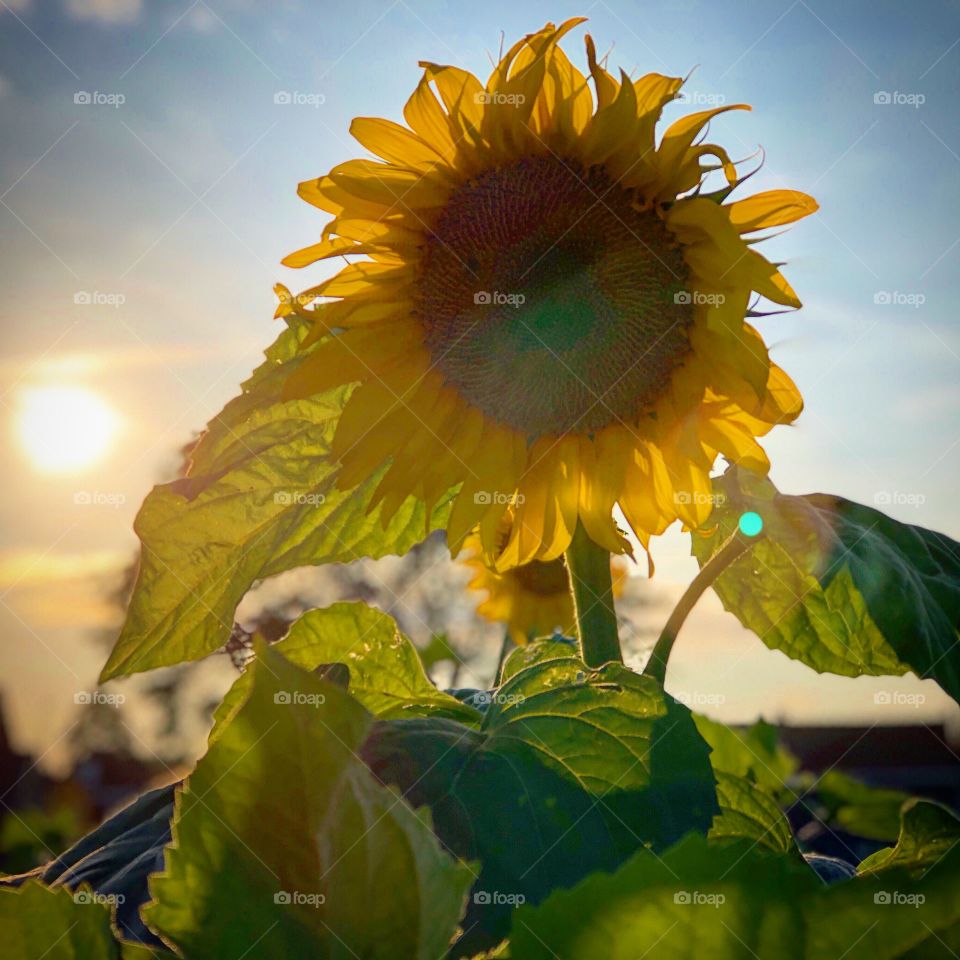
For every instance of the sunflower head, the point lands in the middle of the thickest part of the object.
(532, 600)
(548, 311)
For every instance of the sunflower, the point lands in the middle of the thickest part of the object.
(532, 600)
(549, 312)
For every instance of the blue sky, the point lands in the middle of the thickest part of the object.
(180, 201)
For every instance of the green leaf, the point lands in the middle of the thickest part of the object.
(259, 500)
(284, 840)
(748, 811)
(55, 924)
(386, 674)
(840, 586)
(859, 808)
(928, 831)
(571, 770)
(733, 901)
(385, 671)
(537, 651)
(753, 753)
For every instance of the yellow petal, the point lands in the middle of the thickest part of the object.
(770, 209)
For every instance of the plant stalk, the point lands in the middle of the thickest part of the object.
(588, 566)
(735, 547)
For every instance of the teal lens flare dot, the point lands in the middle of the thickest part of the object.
(750, 523)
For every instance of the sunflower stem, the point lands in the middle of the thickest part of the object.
(588, 566)
(735, 547)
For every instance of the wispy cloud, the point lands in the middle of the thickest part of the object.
(105, 11)
(84, 363)
(29, 568)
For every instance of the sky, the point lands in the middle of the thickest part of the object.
(148, 171)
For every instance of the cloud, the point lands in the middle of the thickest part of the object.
(86, 363)
(30, 568)
(105, 11)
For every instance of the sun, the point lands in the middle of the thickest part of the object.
(65, 429)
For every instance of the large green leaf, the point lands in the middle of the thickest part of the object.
(736, 901)
(752, 771)
(259, 500)
(537, 651)
(571, 770)
(384, 670)
(55, 924)
(284, 844)
(386, 673)
(928, 832)
(840, 586)
(753, 753)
